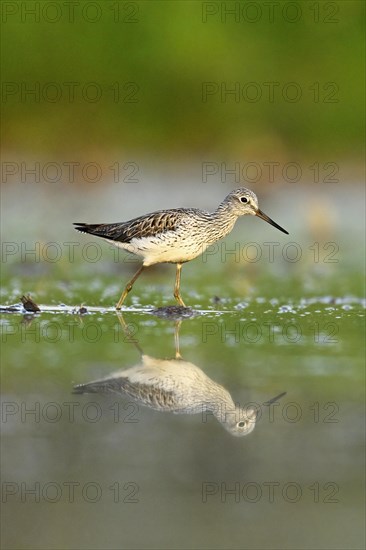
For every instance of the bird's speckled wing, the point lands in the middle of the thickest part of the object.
(149, 395)
(149, 225)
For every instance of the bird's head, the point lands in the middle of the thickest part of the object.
(243, 201)
(242, 422)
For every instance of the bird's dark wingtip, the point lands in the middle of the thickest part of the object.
(83, 227)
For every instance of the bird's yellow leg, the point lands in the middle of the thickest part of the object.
(177, 295)
(176, 339)
(129, 336)
(129, 287)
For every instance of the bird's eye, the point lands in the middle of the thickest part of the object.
(241, 424)
(243, 199)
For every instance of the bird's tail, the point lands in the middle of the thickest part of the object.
(112, 231)
(99, 386)
(93, 229)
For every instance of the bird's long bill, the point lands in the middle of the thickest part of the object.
(274, 399)
(266, 218)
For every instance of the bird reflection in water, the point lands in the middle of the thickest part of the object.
(179, 387)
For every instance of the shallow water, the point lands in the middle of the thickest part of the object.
(102, 470)
(89, 470)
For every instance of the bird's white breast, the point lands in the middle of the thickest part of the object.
(166, 247)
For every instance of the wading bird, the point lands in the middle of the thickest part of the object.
(178, 235)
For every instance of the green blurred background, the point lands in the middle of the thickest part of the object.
(161, 54)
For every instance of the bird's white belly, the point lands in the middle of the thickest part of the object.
(166, 248)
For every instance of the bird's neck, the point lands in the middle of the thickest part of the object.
(223, 220)
(225, 411)
(219, 401)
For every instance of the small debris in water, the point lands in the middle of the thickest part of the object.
(27, 320)
(82, 310)
(174, 312)
(29, 304)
